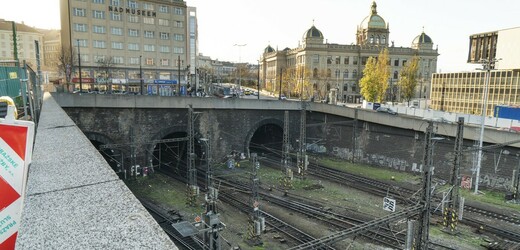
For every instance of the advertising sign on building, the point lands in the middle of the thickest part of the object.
(16, 140)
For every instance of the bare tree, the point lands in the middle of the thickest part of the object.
(105, 65)
(67, 61)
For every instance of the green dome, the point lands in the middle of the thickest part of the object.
(422, 38)
(374, 20)
(313, 32)
(268, 49)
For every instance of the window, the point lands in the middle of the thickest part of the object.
(117, 45)
(84, 58)
(149, 47)
(372, 39)
(133, 46)
(163, 9)
(404, 62)
(346, 60)
(133, 60)
(149, 61)
(115, 16)
(79, 12)
(164, 22)
(133, 32)
(81, 42)
(165, 36)
(354, 74)
(329, 59)
(396, 74)
(115, 2)
(148, 34)
(99, 58)
(179, 24)
(383, 40)
(117, 31)
(178, 50)
(315, 72)
(98, 14)
(377, 39)
(164, 49)
(165, 62)
(345, 74)
(98, 29)
(80, 27)
(337, 73)
(133, 19)
(178, 11)
(133, 4)
(148, 20)
(338, 60)
(147, 6)
(364, 60)
(98, 44)
(118, 60)
(179, 37)
(355, 60)
(99, 1)
(315, 58)
(396, 62)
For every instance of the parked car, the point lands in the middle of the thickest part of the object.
(386, 110)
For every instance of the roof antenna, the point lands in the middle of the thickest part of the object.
(312, 22)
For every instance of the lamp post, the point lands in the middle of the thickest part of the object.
(258, 81)
(79, 66)
(239, 61)
(141, 74)
(486, 65)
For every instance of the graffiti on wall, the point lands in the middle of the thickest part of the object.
(495, 182)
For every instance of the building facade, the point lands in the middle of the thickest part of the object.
(25, 43)
(320, 66)
(117, 39)
(464, 92)
(500, 45)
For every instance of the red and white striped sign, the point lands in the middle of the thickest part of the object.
(16, 143)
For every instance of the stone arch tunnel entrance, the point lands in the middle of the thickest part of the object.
(267, 140)
(172, 156)
(113, 156)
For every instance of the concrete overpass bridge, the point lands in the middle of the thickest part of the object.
(136, 130)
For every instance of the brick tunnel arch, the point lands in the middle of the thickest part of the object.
(265, 137)
(113, 156)
(172, 155)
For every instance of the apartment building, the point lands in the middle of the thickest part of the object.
(118, 39)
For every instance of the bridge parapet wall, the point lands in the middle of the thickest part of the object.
(74, 198)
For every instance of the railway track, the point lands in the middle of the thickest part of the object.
(408, 196)
(165, 220)
(295, 234)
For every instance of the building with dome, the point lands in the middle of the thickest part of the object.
(321, 66)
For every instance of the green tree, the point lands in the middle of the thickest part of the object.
(408, 78)
(369, 81)
(375, 78)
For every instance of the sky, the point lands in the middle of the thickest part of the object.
(282, 23)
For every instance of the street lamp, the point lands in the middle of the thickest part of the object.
(141, 74)
(79, 65)
(239, 61)
(486, 65)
